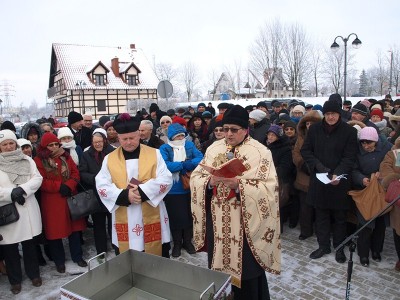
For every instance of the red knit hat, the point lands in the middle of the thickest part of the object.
(377, 112)
(179, 120)
(48, 138)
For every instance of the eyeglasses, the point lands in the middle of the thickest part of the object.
(53, 144)
(233, 130)
(366, 142)
(165, 122)
(219, 130)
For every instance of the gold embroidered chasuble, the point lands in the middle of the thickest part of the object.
(257, 212)
(147, 168)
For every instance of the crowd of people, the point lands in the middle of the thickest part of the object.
(137, 165)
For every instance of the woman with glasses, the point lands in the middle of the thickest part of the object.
(60, 177)
(19, 180)
(217, 135)
(371, 153)
(89, 166)
(162, 131)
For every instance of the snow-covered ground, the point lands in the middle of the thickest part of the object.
(301, 278)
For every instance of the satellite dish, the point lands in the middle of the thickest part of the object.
(164, 89)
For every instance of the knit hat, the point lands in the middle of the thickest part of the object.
(165, 118)
(223, 105)
(175, 130)
(369, 134)
(377, 112)
(101, 131)
(8, 125)
(48, 138)
(283, 118)
(347, 102)
(103, 120)
(317, 107)
(331, 106)
(360, 108)
(24, 142)
(108, 124)
(74, 117)
(236, 115)
(276, 129)
(299, 108)
(206, 114)
(336, 98)
(125, 123)
(366, 103)
(171, 112)
(290, 124)
(178, 120)
(153, 107)
(7, 134)
(64, 132)
(201, 104)
(262, 104)
(257, 115)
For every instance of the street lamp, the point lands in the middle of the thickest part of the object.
(81, 85)
(335, 46)
(391, 68)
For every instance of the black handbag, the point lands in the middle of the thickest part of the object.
(8, 214)
(83, 204)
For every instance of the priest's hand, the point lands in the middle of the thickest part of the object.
(214, 180)
(231, 183)
(134, 195)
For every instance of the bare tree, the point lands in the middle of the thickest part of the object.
(165, 71)
(316, 65)
(381, 73)
(189, 78)
(396, 69)
(213, 77)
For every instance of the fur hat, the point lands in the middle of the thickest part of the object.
(101, 131)
(48, 138)
(8, 125)
(7, 134)
(74, 117)
(377, 112)
(276, 129)
(24, 142)
(369, 134)
(236, 115)
(257, 115)
(360, 108)
(331, 106)
(64, 132)
(125, 123)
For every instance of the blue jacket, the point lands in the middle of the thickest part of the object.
(192, 154)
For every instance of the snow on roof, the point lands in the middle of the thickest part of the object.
(76, 60)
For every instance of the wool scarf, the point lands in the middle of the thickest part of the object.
(16, 165)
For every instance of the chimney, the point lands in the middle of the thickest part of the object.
(133, 46)
(115, 66)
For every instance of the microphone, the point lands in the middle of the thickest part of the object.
(229, 155)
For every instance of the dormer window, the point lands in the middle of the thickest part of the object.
(132, 79)
(99, 79)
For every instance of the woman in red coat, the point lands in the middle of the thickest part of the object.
(60, 177)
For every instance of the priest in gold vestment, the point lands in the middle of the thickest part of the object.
(238, 218)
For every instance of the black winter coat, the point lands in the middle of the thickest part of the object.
(337, 151)
(282, 157)
(259, 131)
(82, 137)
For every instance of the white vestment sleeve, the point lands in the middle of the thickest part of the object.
(106, 189)
(158, 187)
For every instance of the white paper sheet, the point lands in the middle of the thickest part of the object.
(323, 177)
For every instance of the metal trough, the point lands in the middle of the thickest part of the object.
(136, 275)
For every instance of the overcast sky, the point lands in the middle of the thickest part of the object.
(210, 34)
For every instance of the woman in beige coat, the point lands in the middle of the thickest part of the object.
(19, 180)
(389, 172)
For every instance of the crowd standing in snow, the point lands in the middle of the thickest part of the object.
(42, 168)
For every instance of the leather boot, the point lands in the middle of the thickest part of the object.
(177, 239)
(187, 240)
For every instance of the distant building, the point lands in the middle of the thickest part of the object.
(100, 80)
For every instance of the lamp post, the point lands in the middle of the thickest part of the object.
(81, 85)
(390, 75)
(335, 46)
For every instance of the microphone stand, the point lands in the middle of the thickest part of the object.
(352, 240)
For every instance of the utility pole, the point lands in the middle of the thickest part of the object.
(6, 92)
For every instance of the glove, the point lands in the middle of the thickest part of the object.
(65, 191)
(321, 168)
(17, 195)
(189, 166)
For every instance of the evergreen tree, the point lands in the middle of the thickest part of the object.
(363, 90)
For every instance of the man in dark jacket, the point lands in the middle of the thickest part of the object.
(146, 135)
(330, 147)
(82, 134)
